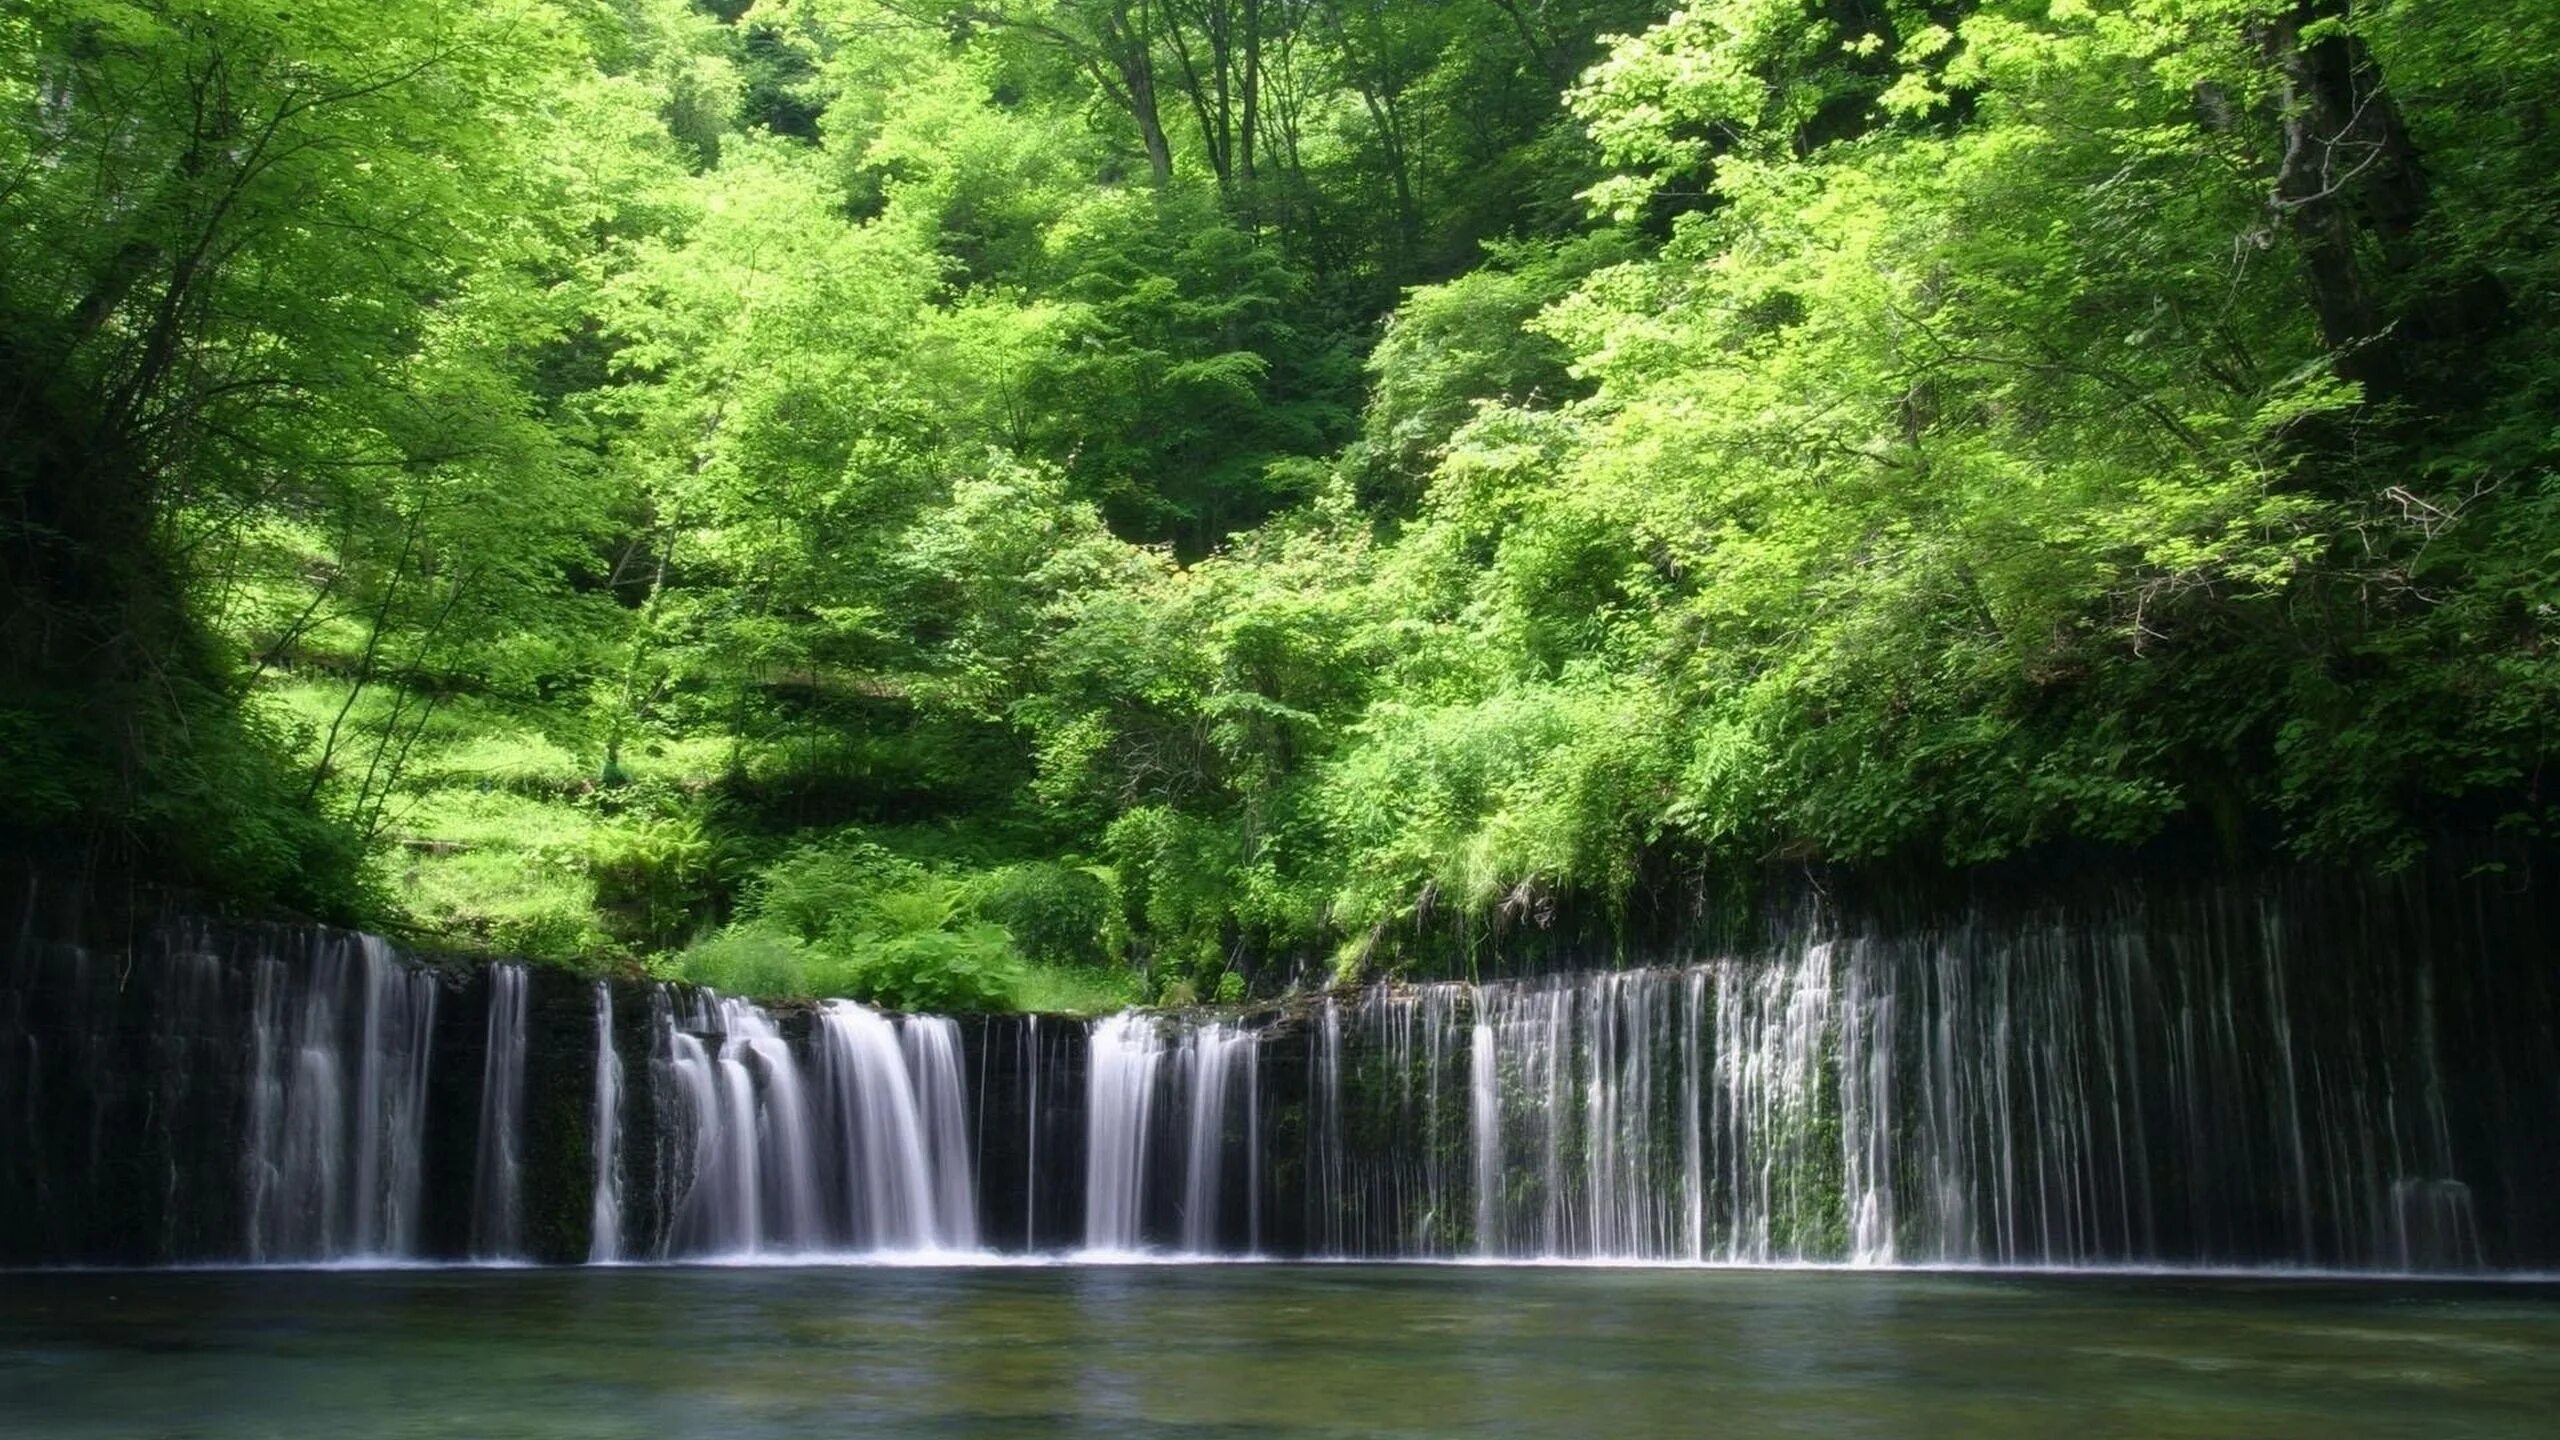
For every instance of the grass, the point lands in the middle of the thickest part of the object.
(522, 760)
(765, 966)
(1061, 990)
(500, 871)
(492, 839)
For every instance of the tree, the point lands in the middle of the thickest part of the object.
(226, 233)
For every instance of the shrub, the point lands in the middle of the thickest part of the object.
(749, 960)
(1046, 990)
(971, 970)
(1057, 915)
(654, 880)
(820, 888)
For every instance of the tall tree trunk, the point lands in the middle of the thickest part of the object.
(1544, 54)
(1206, 87)
(1249, 83)
(1374, 78)
(1129, 34)
(2349, 188)
(1142, 89)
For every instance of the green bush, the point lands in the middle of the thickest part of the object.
(746, 960)
(1047, 990)
(654, 880)
(1057, 915)
(970, 970)
(818, 889)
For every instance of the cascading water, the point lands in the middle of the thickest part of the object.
(762, 1083)
(1033, 1114)
(1127, 1050)
(2211, 1080)
(1208, 1071)
(932, 1044)
(497, 1209)
(860, 1144)
(715, 1138)
(1484, 1121)
(897, 1109)
(605, 1136)
(1389, 1114)
(337, 1103)
(1253, 1148)
(2223, 1077)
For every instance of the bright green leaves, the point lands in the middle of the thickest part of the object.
(627, 434)
(274, 278)
(1534, 791)
(1664, 99)
(1956, 438)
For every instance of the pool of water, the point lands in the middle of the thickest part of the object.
(1263, 1350)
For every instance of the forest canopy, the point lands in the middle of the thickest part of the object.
(1049, 503)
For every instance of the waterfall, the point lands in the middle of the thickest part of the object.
(605, 1132)
(716, 1159)
(2350, 1077)
(1484, 1122)
(692, 1216)
(337, 1103)
(762, 1088)
(1328, 1155)
(932, 1044)
(1206, 1063)
(2046, 1096)
(856, 1141)
(497, 1213)
(879, 1129)
(899, 1118)
(1032, 1116)
(1253, 1148)
(1126, 1049)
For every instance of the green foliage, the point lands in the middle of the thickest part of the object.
(849, 916)
(1057, 915)
(246, 291)
(748, 961)
(1182, 370)
(1179, 876)
(815, 889)
(967, 970)
(763, 490)
(1452, 347)
(1049, 991)
(653, 879)
(1510, 800)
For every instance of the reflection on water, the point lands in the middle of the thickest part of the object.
(1262, 1351)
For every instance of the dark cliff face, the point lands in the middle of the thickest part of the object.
(132, 1058)
(123, 1076)
(2292, 1069)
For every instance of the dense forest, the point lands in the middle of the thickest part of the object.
(1050, 503)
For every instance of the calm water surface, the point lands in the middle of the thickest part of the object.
(1247, 1351)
